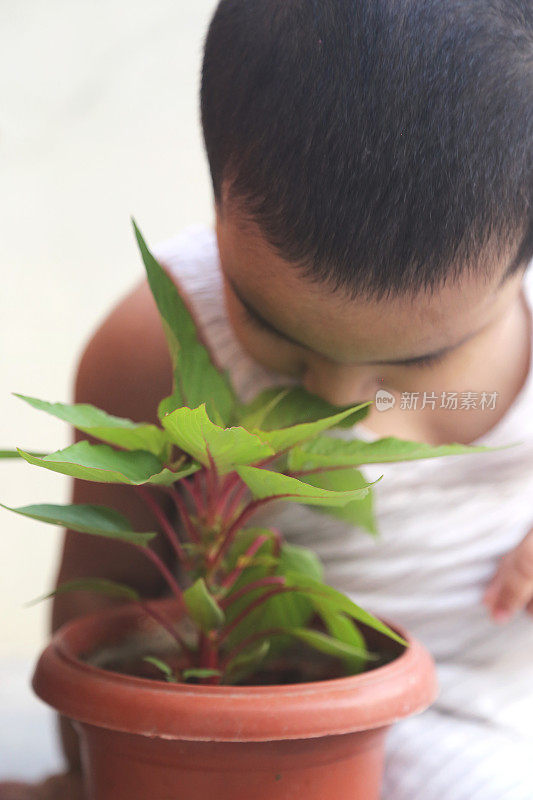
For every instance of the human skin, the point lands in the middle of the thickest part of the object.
(348, 346)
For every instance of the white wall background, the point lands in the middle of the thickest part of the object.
(98, 120)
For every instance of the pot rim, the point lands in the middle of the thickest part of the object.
(99, 697)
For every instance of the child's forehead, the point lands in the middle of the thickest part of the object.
(336, 324)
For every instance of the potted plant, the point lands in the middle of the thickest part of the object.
(253, 679)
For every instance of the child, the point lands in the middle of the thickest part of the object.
(372, 172)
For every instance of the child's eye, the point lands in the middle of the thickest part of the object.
(255, 322)
(428, 361)
(258, 324)
(264, 326)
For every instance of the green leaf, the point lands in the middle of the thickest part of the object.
(200, 672)
(332, 452)
(291, 405)
(339, 625)
(196, 379)
(294, 558)
(114, 430)
(162, 666)
(193, 432)
(358, 512)
(244, 538)
(98, 585)
(16, 454)
(288, 437)
(97, 520)
(255, 414)
(343, 629)
(340, 603)
(327, 644)
(247, 662)
(262, 565)
(264, 483)
(202, 606)
(169, 475)
(102, 464)
(289, 608)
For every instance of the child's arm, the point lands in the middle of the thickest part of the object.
(125, 370)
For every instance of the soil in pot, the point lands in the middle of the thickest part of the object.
(297, 663)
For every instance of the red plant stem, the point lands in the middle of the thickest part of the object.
(270, 459)
(165, 523)
(252, 606)
(204, 650)
(230, 481)
(247, 512)
(272, 580)
(166, 625)
(235, 502)
(232, 576)
(192, 490)
(211, 473)
(278, 539)
(242, 518)
(213, 489)
(166, 573)
(183, 511)
(255, 637)
(209, 657)
(198, 487)
(227, 488)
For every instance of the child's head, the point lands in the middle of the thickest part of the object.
(372, 170)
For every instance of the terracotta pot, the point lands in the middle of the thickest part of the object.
(147, 740)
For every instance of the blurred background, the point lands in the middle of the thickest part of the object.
(99, 120)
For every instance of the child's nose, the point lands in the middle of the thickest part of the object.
(340, 385)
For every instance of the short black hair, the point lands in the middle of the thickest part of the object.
(383, 145)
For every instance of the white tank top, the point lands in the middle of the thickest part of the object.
(444, 524)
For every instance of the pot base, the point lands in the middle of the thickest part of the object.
(344, 767)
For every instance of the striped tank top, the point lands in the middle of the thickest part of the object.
(444, 524)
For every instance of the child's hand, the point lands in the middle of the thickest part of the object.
(511, 589)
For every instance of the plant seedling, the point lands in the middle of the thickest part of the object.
(247, 592)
